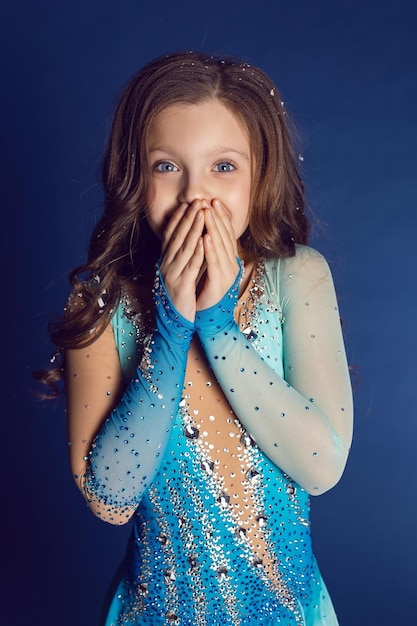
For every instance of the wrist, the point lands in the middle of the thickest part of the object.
(169, 322)
(220, 317)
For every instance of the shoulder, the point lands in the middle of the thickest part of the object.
(307, 266)
(290, 278)
(307, 263)
(306, 275)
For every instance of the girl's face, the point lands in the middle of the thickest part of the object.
(198, 151)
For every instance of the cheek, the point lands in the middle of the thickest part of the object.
(241, 210)
(155, 216)
(240, 224)
(158, 215)
(151, 193)
(155, 228)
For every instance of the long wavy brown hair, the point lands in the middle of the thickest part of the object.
(122, 246)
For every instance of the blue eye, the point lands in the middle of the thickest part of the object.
(224, 167)
(165, 166)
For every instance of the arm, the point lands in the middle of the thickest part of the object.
(303, 423)
(117, 439)
(132, 434)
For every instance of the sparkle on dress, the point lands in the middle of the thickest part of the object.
(221, 535)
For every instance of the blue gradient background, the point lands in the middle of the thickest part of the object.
(347, 72)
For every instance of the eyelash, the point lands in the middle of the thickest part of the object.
(229, 163)
(158, 167)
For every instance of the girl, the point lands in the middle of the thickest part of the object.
(208, 393)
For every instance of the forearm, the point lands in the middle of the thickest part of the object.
(126, 453)
(302, 421)
(290, 428)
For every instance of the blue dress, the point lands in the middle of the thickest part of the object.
(221, 535)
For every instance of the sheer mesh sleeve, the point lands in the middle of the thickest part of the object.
(303, 421)
(126, 453)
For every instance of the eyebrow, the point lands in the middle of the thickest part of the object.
(217, 150)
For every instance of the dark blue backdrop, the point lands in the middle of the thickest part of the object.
(346, 70)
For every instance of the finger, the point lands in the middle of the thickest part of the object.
(223, 233)
(225, 224)
(203, 267)
(221, 267)
(182, 246)
(178, 227)
(192, 268)
(197, 263)
(172, 224)
(182, 291)
(222, 242)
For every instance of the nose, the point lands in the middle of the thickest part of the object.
(193, 186)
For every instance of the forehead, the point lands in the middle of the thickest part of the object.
(204, 120)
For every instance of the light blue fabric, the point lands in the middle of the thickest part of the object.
(186, 561)
(126, 452)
